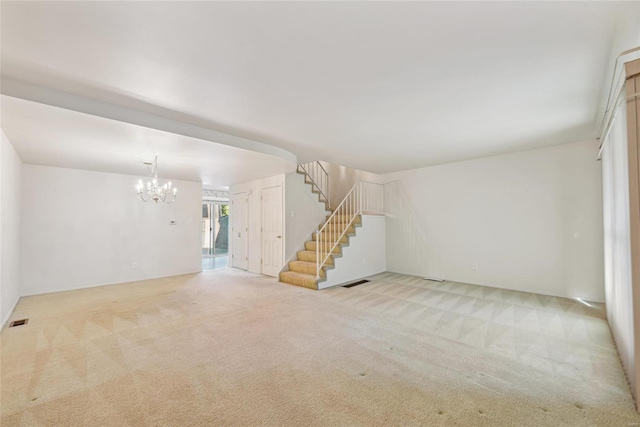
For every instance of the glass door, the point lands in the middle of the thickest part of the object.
(215, 229)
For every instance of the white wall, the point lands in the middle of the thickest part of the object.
(531, 221)
(343, 178)
(10, 217)
(253, 189)
(365, 255)
(82, 229)
(303, 213)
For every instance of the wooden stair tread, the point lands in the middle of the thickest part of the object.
(307, 267)
(299, 279)
(302, 270)
(343, 221)
(311, 246)
(337, 231)
(312, 255)
(343, 217)
(303, 263)
(331, 238)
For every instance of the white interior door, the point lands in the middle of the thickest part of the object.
(272, 230)
(239, 214)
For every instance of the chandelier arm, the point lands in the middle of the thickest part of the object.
(142, 197)
(154, 190)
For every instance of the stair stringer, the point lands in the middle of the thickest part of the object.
(299, 179)
(314, 189)
(364, 255)
(308, 278)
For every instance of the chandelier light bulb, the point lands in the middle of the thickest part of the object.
(154, 190)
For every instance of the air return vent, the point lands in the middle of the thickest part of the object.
(18, 322)
(359, 282)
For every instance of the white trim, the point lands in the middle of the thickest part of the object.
(158, 119)
(8, 316)
(612, 118)
(215, 196)
(283, 226)
(30, 294)
(493, 286)
(601, 130)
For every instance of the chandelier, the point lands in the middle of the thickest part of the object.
(153, 189)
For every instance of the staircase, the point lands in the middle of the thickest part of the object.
(304, 271)
(316, 176)
(319, 256)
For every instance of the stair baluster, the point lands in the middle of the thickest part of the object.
(328, 240)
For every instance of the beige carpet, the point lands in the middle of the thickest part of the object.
(230, 348)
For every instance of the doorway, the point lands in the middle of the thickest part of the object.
(215, 235)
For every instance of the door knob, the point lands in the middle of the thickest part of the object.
(279, 237)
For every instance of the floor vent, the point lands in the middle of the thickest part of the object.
(18, 322)
(359, 282)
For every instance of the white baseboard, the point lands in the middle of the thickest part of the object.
(8, 316)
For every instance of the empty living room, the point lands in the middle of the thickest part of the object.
(326, 213)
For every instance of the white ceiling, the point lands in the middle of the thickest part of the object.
(46, 135)
(376, 86)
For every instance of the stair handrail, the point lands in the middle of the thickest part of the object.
(363, 197)
(319, 177)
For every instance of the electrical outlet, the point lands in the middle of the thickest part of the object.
(134, 265)
(474, 266)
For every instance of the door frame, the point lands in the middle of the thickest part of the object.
(212, 234)
(233, 223)
(282, 226)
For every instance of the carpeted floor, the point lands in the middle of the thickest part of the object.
(226, 347)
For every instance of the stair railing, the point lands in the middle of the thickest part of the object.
(319, 178)
(364, 197)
